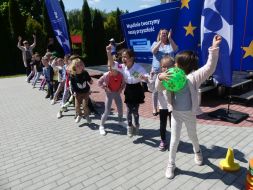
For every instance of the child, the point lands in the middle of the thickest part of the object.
(113, 84)
(80, 80)
(38, 69)
(133, 74)
(48, 73)
(61, 81)
(164, 108)
(164, 45)
(185, 102)
(66, 92)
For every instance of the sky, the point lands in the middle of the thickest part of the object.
(109, 5)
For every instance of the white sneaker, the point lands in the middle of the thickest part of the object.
(53, 102)
(102, 130)
(198, 158)
(88, 119)
(78, 119)
(170, 170)
(130, 131)
(59, 114)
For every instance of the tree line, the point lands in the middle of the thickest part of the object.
(27, 17)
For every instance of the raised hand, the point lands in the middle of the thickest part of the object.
(19, 38)
(216, 40)
(169, 34)
(108, 48)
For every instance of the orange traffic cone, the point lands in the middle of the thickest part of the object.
(249, 178)
(228, 163)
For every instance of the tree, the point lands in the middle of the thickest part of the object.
(99, 40)
(34, 27)
(74, 21)
(5, 38)
(110, 26)
(48, 30)
(17, 21)
(17, 28)
(87, 34)
(66, 20)
(120, 35)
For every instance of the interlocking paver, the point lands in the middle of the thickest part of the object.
(39, 151)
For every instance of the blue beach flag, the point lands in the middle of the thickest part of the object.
(217, 18)
(58, 23)
(187, 31)
(243, 35)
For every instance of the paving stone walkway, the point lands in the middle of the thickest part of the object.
(39, 151)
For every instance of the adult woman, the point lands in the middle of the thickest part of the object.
(163, 46)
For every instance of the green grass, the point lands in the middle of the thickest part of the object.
(12, 76)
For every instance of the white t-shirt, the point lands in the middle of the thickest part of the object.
(131, 76)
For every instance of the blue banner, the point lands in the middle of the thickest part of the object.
(187, 32)
(217, 18)
(141, 28)
(58, 23)
(243, 35)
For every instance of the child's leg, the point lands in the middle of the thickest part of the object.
(85, 99)
(136, 115)
(154, 102)
(65, 95)
(38, 74)
(59, 89)
(163, 123)
(176, 126)
(78, 99)
(108, 105)
(190, 124)
(129, 114)
(119, 104)
(129, 119)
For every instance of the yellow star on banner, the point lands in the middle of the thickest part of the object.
(185, 3)
(189, 29)
(248, 50)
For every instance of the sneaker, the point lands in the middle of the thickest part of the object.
(102, 130)
(53, 102)
(170, 170)
(78, 119)
(130, 131)
(136, 130)
(59, 114)
(47, 96)
(65, 109)
(88, 119)
(198, 158)
(162, 146)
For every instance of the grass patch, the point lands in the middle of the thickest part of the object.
(12, 76)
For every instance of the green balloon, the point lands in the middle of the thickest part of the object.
(177, 81)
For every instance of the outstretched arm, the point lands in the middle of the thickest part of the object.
(34, 41)
(117, 44)
(19, 43)
(172, 43)
(110, 62)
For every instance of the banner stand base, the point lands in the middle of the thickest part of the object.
(229, 115)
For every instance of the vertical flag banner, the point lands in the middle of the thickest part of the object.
(217, 18)
(243, 35)
(141, 28)
(58, 23)
(187, 32)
